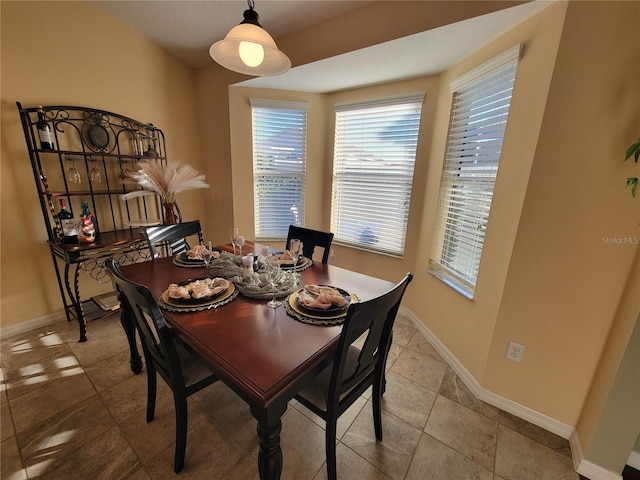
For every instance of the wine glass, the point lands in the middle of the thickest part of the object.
(124, 172)
(273, 272)
(94, 173)
(240, 242)
(207, 254)
(72, 172)
(295, 250)
(234, 233)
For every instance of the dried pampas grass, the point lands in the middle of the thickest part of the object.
(166, 181)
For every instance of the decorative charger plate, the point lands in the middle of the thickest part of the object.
(178, 302)
(323, 311)
(330, 313)
(289, 266)
(183, 260)
(188, 264)
(223, 299)
(183, 257)
(303, 264)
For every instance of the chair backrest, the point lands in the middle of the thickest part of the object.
(171, 239)
(373, 318)
(311, 239)
(157, 342)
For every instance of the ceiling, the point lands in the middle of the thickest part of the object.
(187, 29)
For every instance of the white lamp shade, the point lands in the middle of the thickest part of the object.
(227, 52)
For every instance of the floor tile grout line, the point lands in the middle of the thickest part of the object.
(401, 349)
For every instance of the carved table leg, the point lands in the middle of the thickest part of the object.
(126, 319)
(75, 300)
(270, 456)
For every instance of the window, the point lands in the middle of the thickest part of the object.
(374, 156)
(279, 158)
(481, 100)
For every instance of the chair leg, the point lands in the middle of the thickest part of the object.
(330, 440)
(180, 402)
(378, 388)
(151, 392)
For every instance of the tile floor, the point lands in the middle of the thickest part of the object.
(75, 411)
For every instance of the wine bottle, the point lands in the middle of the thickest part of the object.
(88, 225)
(68, 224)
(44, 131)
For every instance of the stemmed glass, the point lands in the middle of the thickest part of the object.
(240, 242)
(124, 171)
(73, 173)
(273, 272)
(94, 172)
(295, 249)
(207, 254)
(234, 233)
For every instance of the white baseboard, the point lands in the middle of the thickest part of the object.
(576, 450)
(634, 460)
(532, 416)
(582, 466)
(596, 472)
(586, 468)
(32, 324)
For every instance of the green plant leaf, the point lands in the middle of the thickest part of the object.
(634, 150)
(633, 183)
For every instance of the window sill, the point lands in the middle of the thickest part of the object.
(452, 282)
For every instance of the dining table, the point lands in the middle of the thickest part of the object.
(265, 355)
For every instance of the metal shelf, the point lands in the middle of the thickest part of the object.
(88, 138)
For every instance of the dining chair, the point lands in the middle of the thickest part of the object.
(311, 239)
(164, 354)
(173, 238)
(355, 369)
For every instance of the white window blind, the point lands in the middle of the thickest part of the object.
(481, 101)
(374, 158)
(279, 160)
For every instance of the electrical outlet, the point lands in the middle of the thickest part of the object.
(515, 351)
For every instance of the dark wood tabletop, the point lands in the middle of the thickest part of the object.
(262, 353)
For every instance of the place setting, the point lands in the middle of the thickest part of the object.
(267, 276)
(293, 258)
(319, 304)
(197, 294)
(197, 257)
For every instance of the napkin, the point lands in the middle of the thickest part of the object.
(285, 258)
(196, 253)
(198, 289)
(321, 297)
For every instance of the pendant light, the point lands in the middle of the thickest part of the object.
(249, 49)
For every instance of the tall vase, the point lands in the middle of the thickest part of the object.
(169, 213)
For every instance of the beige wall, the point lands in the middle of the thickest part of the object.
(565, 282)
(609, 423)
(377, 22)
(542, 312)
(73, 53)
(546, 279)
(468, 327)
